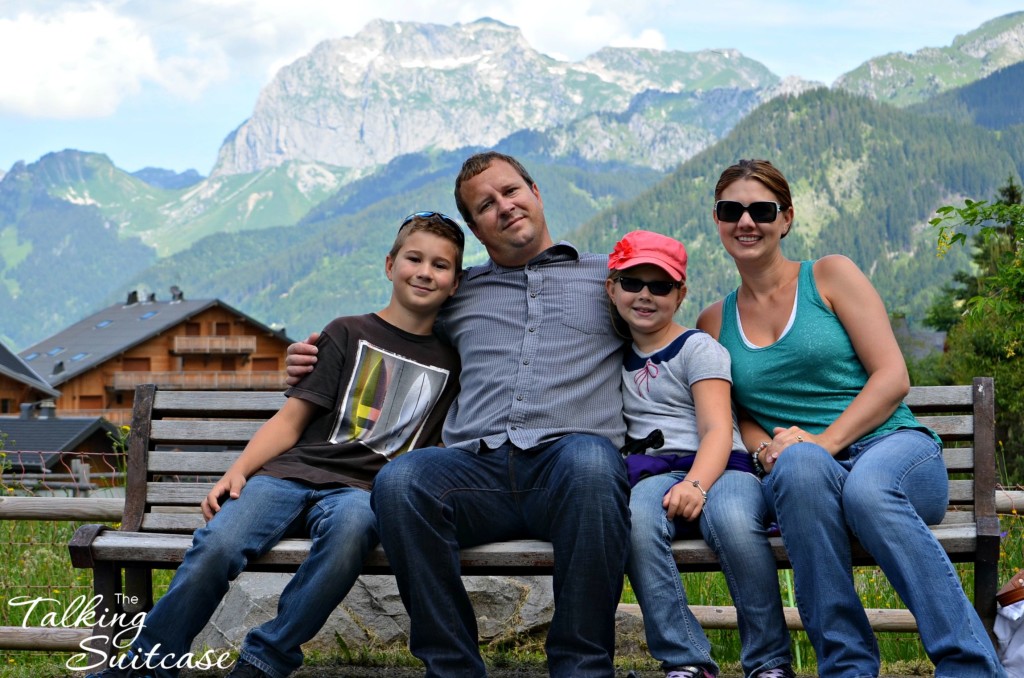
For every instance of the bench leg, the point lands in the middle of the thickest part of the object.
(107, 587)
(986, 582)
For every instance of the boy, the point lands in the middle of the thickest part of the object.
(310, 467)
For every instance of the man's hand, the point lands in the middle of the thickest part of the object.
(300, 359)
(231, 485)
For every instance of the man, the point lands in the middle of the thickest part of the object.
(531, 441)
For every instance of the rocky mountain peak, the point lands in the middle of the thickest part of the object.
(403, 87)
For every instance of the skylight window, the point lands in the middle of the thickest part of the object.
(30, 357)
(78, 356)
(103, 323)
(55, 351)
(147, 315)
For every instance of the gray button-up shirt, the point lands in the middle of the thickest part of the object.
(539, 356)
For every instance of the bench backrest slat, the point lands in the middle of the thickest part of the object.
(186, 439)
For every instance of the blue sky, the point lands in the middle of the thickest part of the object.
(162, 83)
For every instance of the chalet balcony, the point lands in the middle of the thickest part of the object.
(214, 345)
(203, 381)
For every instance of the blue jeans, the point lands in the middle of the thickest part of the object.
(572, 492)
(733, 523)
(892, 487)
(339, 522)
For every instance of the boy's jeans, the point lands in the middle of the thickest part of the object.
(341, 525)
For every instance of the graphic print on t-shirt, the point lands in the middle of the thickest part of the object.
(387, 400)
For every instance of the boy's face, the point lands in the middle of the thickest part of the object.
(423, 272)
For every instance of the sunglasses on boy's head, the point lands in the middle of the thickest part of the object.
(658, 288)
(457, 231)
(763, 212)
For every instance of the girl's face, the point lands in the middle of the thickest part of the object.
(747, 238)
(648, 315)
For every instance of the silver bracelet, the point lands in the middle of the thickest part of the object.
(696, 483)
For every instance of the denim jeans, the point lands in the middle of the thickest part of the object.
(339, 522)
(892, 487)
(733, 523)
(572, 492)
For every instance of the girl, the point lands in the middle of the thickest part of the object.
(678, 380)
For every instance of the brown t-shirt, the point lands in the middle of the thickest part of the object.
(381, 392)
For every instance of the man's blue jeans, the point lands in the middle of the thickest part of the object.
(572, 492)
(734, 524)
(892, 487)
(341, 525)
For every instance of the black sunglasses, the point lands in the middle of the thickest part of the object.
(460, 236)
(658, 288)
(763, 212)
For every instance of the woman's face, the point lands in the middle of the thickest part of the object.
(746, 238)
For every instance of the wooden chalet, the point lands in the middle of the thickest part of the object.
(177, 344)
(19, 383)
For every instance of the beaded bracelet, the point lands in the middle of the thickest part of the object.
(754, 456)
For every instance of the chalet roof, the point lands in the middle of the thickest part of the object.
(35, 444)
(114, 330)
(13, 366)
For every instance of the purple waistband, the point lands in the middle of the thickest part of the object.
(639, 466)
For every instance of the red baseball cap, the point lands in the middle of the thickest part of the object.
(647, 247)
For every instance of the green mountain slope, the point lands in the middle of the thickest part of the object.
(331, 263)
(866, 178)
(903, 79)
(995, 102)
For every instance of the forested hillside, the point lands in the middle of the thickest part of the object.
(866, 178)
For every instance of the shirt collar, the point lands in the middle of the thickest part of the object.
(561, 251)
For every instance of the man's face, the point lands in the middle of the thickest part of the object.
(508, 214)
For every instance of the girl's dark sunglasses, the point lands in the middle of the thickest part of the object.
(761, 212)
(658, 288)
(460, 236)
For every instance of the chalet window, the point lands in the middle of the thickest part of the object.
(264, 365)
(5, 405)
(192, 329)
(222, 329)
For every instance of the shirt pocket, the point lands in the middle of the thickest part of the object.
(585, 307)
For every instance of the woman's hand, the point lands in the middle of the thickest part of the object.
(783, 438)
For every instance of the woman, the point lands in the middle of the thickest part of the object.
(819, 382)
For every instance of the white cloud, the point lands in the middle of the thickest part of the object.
(78, 63)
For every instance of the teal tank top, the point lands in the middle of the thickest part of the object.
(809, 376)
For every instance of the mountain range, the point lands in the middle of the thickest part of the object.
(292, 223)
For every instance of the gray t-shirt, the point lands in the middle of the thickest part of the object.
(656, 390)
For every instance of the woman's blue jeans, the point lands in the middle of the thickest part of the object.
(734, 524)
(339, 522)
(572, 492)
(892, 487)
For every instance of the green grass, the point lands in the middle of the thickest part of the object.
(36, 565)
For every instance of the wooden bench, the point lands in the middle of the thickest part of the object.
(182, 441)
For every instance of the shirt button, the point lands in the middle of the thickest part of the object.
(533, 295)
(532, 329)
(526, 362)
(519, 397)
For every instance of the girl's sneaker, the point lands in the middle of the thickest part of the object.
(784, 671)
(689, 672)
